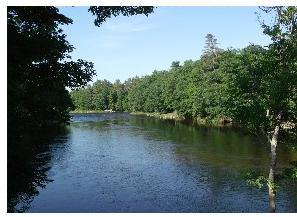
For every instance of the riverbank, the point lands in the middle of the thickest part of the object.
(164, 116)
(175, 116)
(226, 122)
(90, 111)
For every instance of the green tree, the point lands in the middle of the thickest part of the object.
(104, 12)
(263, 86)
(211, 45)
(100, 95)
(281, 90)
(39, 68)
(83, 98)
(136, 94)
(182, 94)
(175, 64)
(211, 51)
(117, 96)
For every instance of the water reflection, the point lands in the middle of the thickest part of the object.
(226, 155)
(122, 163)
(213, 146)
(29, 161)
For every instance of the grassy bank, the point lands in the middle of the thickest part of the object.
(200, 121)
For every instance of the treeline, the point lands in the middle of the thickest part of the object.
(207, 88)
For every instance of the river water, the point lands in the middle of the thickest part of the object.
(122, 163)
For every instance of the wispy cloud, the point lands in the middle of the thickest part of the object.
(140, 29)
(127, 27)
(109, 45)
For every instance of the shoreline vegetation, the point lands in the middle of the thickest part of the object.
(226, 122)
(223, 122)
(221, 88)
(91, 111)
(164, 116)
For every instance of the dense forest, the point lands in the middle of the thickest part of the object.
(195, 89)
(221, 85)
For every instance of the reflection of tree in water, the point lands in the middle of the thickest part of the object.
(101, 126)
(28, 162)
(214, 145)
(226, 155)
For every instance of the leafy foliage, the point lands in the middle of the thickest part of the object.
(254, 179)
(291, 172)
(105, 12)
(39, 68)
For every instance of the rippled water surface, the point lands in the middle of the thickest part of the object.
(122, 163)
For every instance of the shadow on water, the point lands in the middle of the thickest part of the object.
(28, 162)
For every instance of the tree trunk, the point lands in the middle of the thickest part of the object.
(271, 191)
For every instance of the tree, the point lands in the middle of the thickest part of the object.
(211, 51)
(117, 96)
(283, 76)
(83, 98)
(100, 94)
(39, 68)
(211, 45)
(104, 12)
(264, 87)
(175, 64)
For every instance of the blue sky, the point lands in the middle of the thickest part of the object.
(124, 47)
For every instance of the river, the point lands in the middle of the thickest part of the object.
(123, 163)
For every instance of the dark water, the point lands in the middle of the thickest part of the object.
(122, 163)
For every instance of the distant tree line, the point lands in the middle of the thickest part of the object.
(215, 87)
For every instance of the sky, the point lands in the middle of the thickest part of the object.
(124, 47)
